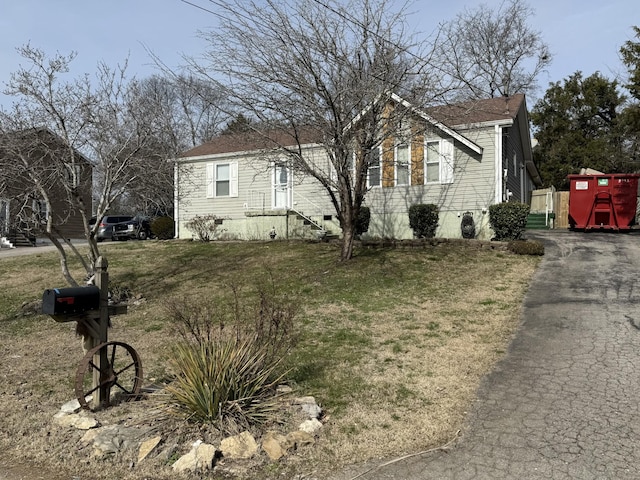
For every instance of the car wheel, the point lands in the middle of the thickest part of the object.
(142, 235)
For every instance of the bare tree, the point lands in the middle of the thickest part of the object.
(32, 162)
(319, 68)
(96, 122)
(493, 52)
(181, 112)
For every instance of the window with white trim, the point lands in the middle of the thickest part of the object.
(439, 161)
(432, 162)
(402, 165)
(374, 176)
(222, 179)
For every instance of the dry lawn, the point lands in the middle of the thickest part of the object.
(393, 346)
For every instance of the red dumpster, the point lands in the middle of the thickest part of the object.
(603, 201)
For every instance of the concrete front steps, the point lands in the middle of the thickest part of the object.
(5, 243)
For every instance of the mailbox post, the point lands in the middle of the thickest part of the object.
(100, 358)
(108, 365)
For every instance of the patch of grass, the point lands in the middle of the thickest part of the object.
(403, 394)
(488, 301)
(155, 327)
(358, 330)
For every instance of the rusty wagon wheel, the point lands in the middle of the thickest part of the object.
(121, 377)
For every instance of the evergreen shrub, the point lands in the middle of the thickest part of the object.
(362, 222)
(508, 220)
(423, 220)
(163, 228)
(228, 359)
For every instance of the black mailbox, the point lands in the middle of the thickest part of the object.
(70, 301)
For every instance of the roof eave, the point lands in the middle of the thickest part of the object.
(241, 153)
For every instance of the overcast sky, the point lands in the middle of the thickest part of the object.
(583, 35)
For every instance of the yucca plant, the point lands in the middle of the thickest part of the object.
(225, 381)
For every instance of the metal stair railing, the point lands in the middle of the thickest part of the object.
(318, 210)
(308, 219)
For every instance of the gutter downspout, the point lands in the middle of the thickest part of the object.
(499, 178)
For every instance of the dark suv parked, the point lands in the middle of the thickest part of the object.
(138, 228)
(105, 231)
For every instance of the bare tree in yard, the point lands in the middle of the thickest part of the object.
(493, 53)
(99, 121)
(322, 68)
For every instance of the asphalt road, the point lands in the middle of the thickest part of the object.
(563, 404)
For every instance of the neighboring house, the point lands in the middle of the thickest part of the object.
(20, 205)
(462, 157)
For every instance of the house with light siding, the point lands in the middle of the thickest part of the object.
(462, 158)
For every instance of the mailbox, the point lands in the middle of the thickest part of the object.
(70, 301)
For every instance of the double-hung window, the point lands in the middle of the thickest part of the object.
(402, 164)
(439, 161)
(374, 178)
(222, 179)
(432, 162)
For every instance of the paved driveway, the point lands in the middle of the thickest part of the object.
(563, 404)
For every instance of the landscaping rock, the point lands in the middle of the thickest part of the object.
(81, 422)
(200, 458)
(300, 438)
(309, 406)
(239, 446)
(275, 445)
(90, 436)
(310, 426)
(72, 406)
(147, 447)
(116, 438)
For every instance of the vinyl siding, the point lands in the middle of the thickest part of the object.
(255, 195)
(472, 190)
(472, 187)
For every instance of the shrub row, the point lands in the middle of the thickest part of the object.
(508, 221)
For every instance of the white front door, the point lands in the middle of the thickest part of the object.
(281, 187)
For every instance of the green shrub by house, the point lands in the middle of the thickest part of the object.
(163, 228)
(362, 222)
(508, 220)
(205, 227)
(423, 220)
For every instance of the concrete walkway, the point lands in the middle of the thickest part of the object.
(563, 404)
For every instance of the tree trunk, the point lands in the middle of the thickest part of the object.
(348, 237)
